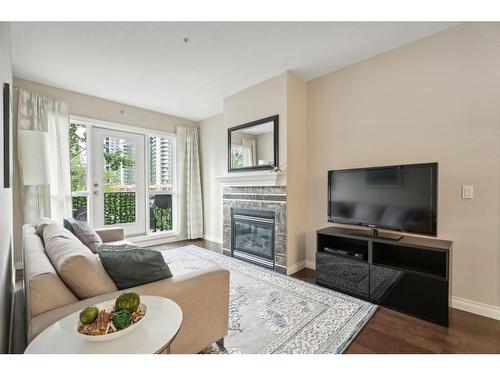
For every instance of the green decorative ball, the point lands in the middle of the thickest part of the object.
(89, 314)
(129, 301)
(122, 319)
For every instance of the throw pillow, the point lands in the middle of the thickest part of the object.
(75, 264)
(132, 267)
(85, 233)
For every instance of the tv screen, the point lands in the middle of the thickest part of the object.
(402, 197)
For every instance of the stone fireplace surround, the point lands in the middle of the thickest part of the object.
(270, 198)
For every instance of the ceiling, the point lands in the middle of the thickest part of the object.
(149, 65)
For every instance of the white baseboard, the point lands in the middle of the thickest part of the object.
(212, 238)
(474, 307)
(155, 241)
(311, 264)
(295, 267)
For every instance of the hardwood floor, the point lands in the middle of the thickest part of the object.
(389, 331)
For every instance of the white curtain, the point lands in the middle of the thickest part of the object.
(190, 204)
(36, 112)
(249, 151)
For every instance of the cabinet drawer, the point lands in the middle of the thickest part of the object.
(343, 274)
(422, 296)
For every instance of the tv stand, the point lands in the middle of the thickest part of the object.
(408, 274)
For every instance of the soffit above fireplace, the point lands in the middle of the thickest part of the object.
(252, 179)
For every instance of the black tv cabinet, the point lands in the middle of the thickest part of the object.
(410, 274)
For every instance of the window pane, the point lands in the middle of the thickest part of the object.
(236, 156)
(80, 210)
(78, 156)
(119, 180)
(119, 164)
(160, 163)
(160, 212)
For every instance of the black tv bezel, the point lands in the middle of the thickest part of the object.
(434, 204)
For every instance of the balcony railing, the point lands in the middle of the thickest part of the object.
(160, 212)
(119, 208)
(80, 209)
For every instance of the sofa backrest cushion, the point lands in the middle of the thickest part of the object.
(44, 289)
(42, 223)
(77, 266)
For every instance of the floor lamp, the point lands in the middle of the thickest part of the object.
(34, 152)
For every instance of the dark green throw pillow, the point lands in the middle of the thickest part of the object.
(133, 266)
(67, 223)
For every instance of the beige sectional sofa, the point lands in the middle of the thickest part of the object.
(54, 287)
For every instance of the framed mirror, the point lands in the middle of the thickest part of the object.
(253, 146)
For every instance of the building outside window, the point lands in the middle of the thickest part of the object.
(161, 183)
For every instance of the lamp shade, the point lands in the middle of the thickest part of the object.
(34, 152)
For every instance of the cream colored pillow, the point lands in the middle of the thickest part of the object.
(80, 270)
(42, 223)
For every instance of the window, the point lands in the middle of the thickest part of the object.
(161, 182)
(78, 150)
(116, 170)
(119, 180)
(236, 156)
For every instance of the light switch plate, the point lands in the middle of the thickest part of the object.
(467, 192)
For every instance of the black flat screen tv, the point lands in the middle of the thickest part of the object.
(401, 197)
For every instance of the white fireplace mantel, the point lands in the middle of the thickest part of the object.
(266, 178)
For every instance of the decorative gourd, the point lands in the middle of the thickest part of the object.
(89, 314)
(122, 319)
(129, 301)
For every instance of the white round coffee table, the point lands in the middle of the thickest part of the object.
(162, 322)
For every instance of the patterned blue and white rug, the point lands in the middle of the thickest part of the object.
(273, 313)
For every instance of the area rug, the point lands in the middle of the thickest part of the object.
(273, 313)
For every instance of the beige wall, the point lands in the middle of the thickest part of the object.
(259, 101)
(101, 109)
(296, 171)
(437, 99)
(283, 95)
(262, 100)
(94, 108)
(6, 266)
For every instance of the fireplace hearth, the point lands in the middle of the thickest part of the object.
(253, 236)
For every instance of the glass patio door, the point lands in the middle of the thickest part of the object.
(118, 182)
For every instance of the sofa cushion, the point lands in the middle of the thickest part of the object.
(42, 223)
(111, 234)
(85, 233)
(130, 267)
(44, 289)
(75, 263)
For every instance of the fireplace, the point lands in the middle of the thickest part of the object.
(259, 225)
(253, 236)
